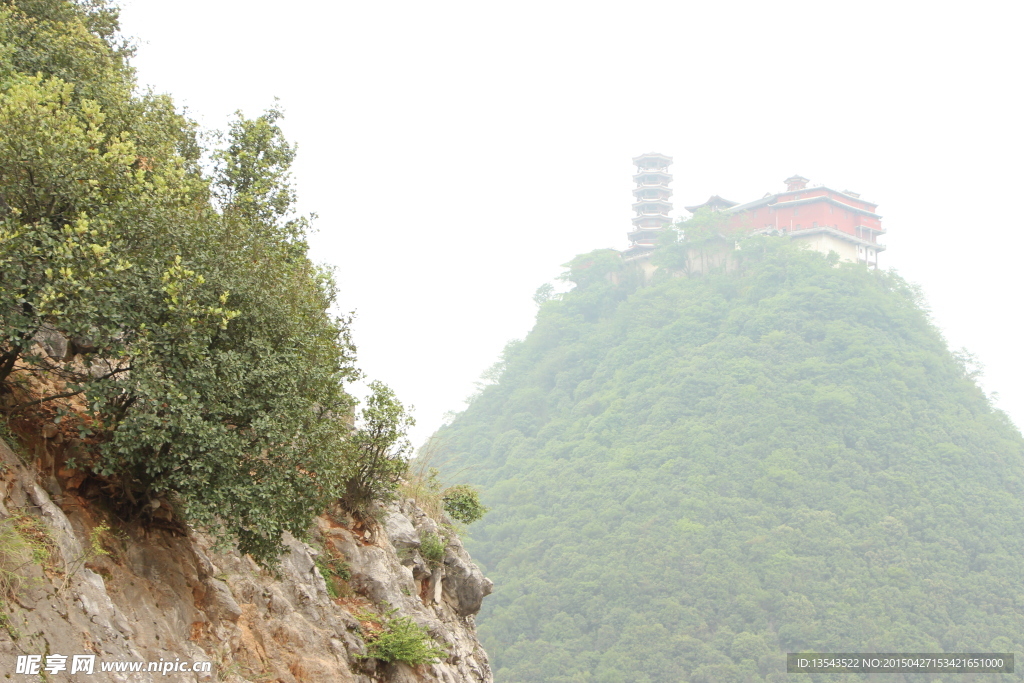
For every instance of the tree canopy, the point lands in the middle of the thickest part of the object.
(688, 480)
(206, 363)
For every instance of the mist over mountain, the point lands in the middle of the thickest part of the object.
(690, 478)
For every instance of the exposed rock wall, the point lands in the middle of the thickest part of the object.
(165, 596)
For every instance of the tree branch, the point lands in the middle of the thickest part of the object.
(68, 394)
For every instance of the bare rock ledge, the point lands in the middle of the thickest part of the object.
(170, 597)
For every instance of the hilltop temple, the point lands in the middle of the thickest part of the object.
(820, 217)
(823, 219)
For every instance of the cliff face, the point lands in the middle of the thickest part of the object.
(164, 597)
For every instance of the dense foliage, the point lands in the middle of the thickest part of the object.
(462, 503)
(690, 479)
(400, 639)
(378, 450)
(200, 334)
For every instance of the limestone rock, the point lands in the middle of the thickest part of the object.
(218, 602)
(400, 529)
(173, 598)
(464, 583)
(54, 344)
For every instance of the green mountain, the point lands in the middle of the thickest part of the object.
(690, 479)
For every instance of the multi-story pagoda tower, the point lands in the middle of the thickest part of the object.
(652, 204)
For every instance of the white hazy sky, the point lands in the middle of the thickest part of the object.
(458, 152)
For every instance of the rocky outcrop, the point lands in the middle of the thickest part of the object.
(176, 600)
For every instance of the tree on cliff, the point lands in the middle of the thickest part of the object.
(378, 449)
(690, 479)
(210, 365)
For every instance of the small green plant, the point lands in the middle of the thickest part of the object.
(5, 622)
(423, 484)
(15, 553)
(13, 442)
(432, 548)
(229, 671)
(112, 542)
(95, 549)
(325, 571)
(401, 640)
(342, 570)
(462, 502)
(333, 569)
(26, 539)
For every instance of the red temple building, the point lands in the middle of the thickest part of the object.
(822, 218)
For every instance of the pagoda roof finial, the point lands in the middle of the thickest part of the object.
(795, 182)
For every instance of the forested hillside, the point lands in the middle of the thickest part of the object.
(692, 478)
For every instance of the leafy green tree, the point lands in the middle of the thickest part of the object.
(688, 245)
(211, 367)
(593, 268)
(544, 293)
(253, 178)
(236, 386)
(378, 451)
(462, 502)
(78, 183)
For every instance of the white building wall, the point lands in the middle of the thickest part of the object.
(825, 243)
